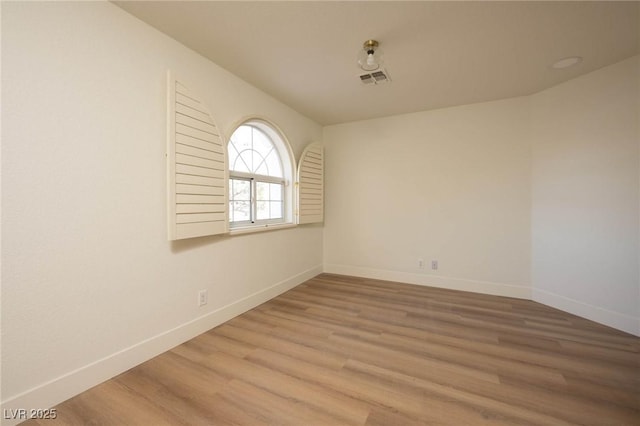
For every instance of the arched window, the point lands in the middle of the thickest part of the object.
(260, 175)
(257, 167)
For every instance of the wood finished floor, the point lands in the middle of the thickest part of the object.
(349, 351)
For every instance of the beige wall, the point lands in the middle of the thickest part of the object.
(585, 196)
(90, 284)
(451, 185)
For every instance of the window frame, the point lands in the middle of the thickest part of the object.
(287, 163)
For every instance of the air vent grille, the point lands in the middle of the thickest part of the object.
(375, 77)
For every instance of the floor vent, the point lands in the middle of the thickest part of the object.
(375, 77)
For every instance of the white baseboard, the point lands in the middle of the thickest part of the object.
(613, 319)
(62, 388)
(485, 287)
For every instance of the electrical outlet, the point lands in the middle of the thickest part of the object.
(203, 297)
(434, 264)
(421, 263)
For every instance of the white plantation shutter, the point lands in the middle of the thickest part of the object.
(197, 167)
(311, 185)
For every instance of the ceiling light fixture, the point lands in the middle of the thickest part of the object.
(567, 62)
(370, 57)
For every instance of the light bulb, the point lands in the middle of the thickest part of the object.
(371, 61)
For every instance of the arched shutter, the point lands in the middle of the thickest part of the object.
(311, 185)
(196, 166)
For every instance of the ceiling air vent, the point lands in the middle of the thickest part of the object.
(375, 77)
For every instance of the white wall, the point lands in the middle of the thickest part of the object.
(585, 196)
(90, 285)
(451, 184)
(534, 197)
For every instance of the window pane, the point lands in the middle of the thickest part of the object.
(262, 191)
(239, 165)
(262, 210)
(276, 210)
(275, 192)
(240, 210)
(244, 163)
(240, 141)
(259, 166)
(241, 138)
(233, 156)
(261, 143)
(273, 164)
(241, 190)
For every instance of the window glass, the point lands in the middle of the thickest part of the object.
(239, 200)
(256, 176)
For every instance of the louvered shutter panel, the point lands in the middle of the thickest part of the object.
(311, 185)
(196, 164)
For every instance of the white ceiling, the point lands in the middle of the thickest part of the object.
(438, 54)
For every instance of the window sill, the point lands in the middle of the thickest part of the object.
(261, 228)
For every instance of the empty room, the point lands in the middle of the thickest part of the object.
(320, 213)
